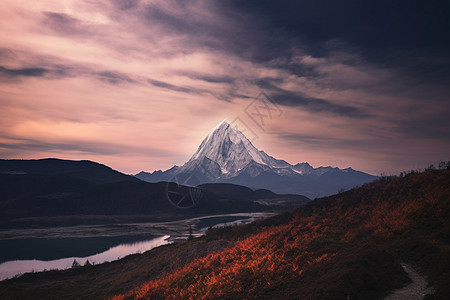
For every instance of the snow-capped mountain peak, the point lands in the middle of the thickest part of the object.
(227, 147)
(226, 155)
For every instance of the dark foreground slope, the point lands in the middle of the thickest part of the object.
(345, 246)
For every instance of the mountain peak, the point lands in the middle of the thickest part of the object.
(222, 125)
(226, 155)
(225, 122)
(229, 150)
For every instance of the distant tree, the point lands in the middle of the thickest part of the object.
(87, 263)
(75, 264)
(190, 233)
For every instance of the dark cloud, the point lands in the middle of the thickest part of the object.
(425, 127)
(383, 24)
(53, 68)
(384, 35)
(387, 61)
(32, 145)
(411, 37)
(172, 23)
(318, 105)
(211, 78)
(188, 90)
(289, 98)
(211, 25)
(83, 147)
(420, 67)
(165, 85)
(327, 142)
(7, 54)
(298, 69)
(125, 4)
(25, 72)
(309, 139)
(114, 77)
(64, 24)
(49, 71)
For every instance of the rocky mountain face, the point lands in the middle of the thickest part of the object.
(226, 155)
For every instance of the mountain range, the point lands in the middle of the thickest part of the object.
(226, 155)
(41, 191)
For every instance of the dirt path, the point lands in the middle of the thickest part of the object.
(415, 290)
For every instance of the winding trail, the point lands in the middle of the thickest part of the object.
(415, 290)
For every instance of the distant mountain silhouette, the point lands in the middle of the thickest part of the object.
(83, 169)
(54, 187)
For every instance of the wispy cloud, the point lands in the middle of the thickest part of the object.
(26, 72)
(64, 24)
(105, 78)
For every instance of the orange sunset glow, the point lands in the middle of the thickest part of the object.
(137, 85)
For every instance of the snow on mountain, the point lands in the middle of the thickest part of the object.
(226, 155)
(225, 152)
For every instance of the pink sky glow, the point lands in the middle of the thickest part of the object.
(128, 87)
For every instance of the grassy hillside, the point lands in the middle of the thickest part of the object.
(347, 245)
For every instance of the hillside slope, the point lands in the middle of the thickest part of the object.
(347, 245)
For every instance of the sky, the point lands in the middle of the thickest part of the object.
(138, 84)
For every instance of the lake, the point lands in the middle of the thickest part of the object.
(39, 249)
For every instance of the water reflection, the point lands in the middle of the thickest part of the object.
(12, 268)
(27, 250)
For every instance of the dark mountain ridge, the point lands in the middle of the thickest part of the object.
(55, 188)
(83, 169)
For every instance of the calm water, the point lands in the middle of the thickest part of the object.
(34, 250)
(12, 268)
